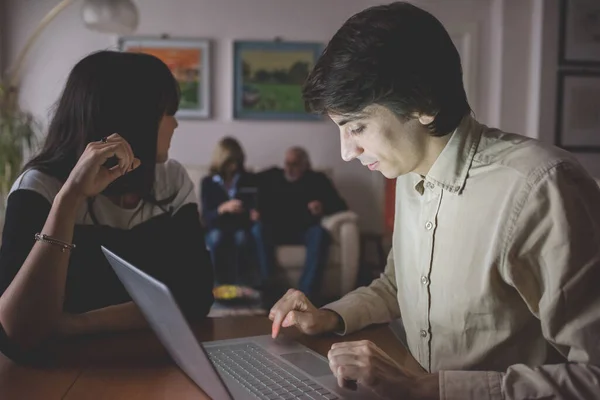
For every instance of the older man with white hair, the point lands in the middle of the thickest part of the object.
(292, 202)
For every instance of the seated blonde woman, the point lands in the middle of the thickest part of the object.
(229, 208)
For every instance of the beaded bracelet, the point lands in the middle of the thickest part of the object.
(64, 246)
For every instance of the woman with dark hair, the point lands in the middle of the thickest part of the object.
(103, 177)
(228, 208)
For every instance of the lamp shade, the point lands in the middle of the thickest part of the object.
(110, 16)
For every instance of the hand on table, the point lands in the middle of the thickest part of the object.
(233, 206)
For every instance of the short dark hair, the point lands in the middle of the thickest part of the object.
(396, 55)
(110, 92)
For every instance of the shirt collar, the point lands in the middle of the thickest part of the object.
(218, 179)
(232, 190)
(451, 168)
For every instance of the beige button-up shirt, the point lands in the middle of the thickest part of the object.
(494, 270)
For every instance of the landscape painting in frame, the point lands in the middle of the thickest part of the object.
(189, 61)
(269, 78)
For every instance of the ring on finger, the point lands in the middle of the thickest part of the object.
(104, 139)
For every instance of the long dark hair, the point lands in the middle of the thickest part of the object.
(110, 92)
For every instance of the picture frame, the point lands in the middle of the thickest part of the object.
(189, 60)
(578, 111)
(268, 79)
(579, 33)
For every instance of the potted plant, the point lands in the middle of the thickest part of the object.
(17, 139)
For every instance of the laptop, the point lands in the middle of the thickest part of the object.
(239, 369)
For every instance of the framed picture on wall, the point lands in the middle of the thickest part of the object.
(189, 61)
(578, 111)
(579, 32)
(268, 79)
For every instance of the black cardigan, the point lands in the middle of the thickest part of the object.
(284, 204)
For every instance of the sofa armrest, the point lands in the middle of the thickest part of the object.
(343, 228)
(332, 223)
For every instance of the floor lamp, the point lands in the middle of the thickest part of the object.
(108, 16)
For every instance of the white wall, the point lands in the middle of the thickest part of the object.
(2, 35)
(502, 42)
(517, 65)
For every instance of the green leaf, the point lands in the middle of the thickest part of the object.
(18, 138)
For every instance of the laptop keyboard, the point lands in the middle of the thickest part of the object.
(264, 375)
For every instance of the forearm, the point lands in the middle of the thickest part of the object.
(426, 387)
(32, 303)
(364, 306)
(120, 317)
(331, 321)
(332, 201)
(558, 381)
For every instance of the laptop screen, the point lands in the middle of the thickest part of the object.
(164, 316)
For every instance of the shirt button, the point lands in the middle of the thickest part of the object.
(428, 225)
(424, 280)
(423, 333)
(429, 185)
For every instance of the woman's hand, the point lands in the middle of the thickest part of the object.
(233, 206)
(90, 177)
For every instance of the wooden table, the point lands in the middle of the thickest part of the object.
(134, 365)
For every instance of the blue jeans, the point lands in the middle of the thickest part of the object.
(231, 253)
(315, 238)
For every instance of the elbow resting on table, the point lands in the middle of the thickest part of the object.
(28, 334)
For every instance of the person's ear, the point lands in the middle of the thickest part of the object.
(425, 119)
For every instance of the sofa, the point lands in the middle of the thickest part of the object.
(342, 268)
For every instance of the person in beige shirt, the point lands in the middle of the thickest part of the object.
(495, 262)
